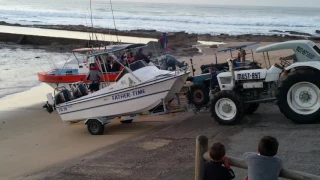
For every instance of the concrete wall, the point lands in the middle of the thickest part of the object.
(44, 40)
(174, 39)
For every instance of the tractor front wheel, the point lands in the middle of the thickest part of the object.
(227, 107)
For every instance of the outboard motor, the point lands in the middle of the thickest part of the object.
(80, 91)
(63, 96)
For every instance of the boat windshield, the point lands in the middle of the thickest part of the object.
(137, 65)
(133, 67)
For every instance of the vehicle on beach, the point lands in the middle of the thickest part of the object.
(198, 94)
(294, 86)
(139, 89)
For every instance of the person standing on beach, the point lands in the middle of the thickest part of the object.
(163, 41)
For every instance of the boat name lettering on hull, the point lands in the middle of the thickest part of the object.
(128, 95)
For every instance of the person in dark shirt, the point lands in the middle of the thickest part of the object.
(141, 56)
(106, 67)
(214, 80)
(115, 66)
(218, 168)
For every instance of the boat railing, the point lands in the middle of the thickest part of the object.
(202, 155)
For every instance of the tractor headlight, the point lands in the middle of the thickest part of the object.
(225, 80)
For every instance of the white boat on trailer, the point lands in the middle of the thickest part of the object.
(139, 89)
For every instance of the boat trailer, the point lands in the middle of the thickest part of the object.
(95, 125)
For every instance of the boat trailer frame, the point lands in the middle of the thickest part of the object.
(101, 121)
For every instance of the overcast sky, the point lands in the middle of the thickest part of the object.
(290, 3)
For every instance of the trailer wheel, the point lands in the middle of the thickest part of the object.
(95, 127)
(127, 121)
(251, 108)
(198, 94)
(227, 107)
(298, 97)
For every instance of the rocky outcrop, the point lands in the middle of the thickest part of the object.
(277, 31)
(291, 33)
(191, 50)
(318, 31)
(214, 46)
(314, 38)
(298, 33)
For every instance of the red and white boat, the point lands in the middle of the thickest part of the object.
(75, 70)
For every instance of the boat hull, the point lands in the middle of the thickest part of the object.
(177, 86)
(134, 100)
(67, 80)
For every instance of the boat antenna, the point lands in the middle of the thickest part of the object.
(91, 18)
(66, 60)
(114, 22)
(92, 24)
(88, 30)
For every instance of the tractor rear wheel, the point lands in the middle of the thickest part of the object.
(299, 97)
(198, 95)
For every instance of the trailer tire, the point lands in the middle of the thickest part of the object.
(127, 121)
(95, 127)
(198, 95)
(227, 107)
(300, 89)
(251, 108)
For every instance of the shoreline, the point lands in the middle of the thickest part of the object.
(276, 36)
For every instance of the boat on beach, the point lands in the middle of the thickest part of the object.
(138, 88)
(75, 70)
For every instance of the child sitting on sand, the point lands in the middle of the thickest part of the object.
(218, 168)
(264, 166)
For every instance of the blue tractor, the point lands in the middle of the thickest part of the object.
(198, 92)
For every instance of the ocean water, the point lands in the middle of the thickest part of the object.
(199, 19)
(19, 66)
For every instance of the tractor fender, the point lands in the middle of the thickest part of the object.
(311, 64)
